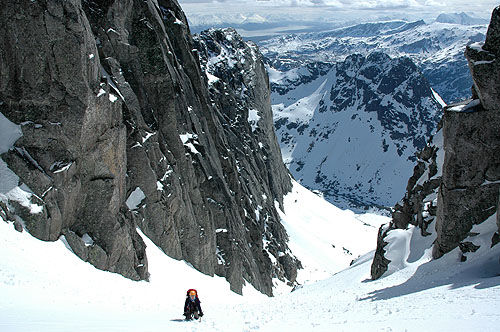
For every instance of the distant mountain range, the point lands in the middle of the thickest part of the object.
(258, 26)
(437, 49)
(354, 105)
(461, 18)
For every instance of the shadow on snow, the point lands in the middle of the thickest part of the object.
(483, 273)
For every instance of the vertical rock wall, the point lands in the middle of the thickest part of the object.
(466, 192)
(471, 171)
(119, 131)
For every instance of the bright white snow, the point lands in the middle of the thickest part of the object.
(45, 287)
(189, 140)
(253, 118)
(322, 235)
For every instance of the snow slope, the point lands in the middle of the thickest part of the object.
(325, 238)
(10, 189)
(44, 287)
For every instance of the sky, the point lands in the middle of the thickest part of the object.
(336, 10)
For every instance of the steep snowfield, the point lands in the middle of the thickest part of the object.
(325, 238)
(44, 287)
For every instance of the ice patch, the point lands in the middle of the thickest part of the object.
(483, 62)
(211, 78)
(101, 92)
(477, 46)
(438, 98)
(188, 139)
(87, 240)
(60, 166)
(253, 118)
(112, 98)
(135, 198)
(220, 257)
(9, 134)
(465, 108)
(159, 186)
(110, 82)
(148, 136)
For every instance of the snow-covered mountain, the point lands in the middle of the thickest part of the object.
(343, 133)
(452, 198)
(213, 20)
(352, 129)
(437, 49)
(460, 18)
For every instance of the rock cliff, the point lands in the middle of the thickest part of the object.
(119, 131)
(459, 188)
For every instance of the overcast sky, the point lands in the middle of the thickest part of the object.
(340, 9)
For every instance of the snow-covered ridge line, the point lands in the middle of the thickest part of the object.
(436, 48)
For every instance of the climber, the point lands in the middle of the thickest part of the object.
(192, 307)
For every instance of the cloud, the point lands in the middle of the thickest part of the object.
(428, 9)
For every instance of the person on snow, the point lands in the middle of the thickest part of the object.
(192, 307)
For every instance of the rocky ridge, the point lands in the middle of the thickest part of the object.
(436, 49)
(120, 132)
(464, 190)
(351, 129)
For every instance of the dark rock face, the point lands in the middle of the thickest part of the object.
(380, 264)
(119, 132)
(471, 171)
(470, 181)
(469, 192)
(239, 88)
(71, 153)
(484, 67)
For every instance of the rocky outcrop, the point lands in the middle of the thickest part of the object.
(239, 87)
(71, 152)
(419, 205)
(470, 181)
(120, 131)
(471, 171)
